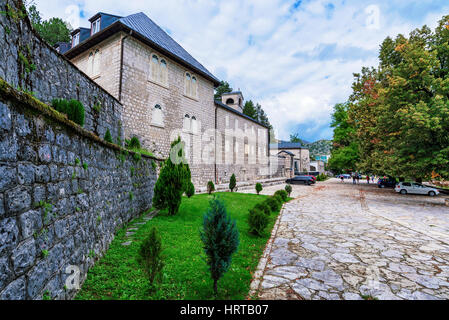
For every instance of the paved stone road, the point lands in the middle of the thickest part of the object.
(340, 241)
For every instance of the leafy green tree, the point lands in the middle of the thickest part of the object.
(344, 154)
(220, 238)
(224, 87)
(53, 30)
(173, 180)
(233, 183)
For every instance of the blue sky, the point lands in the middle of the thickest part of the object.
(294, 57)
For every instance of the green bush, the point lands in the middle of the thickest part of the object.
(257, 221)
(172, 183)
(322, 177)
(274, 203)
(220, 238)
(264, 207)
(76, 112)
(150, 256)
(282, 194)
(60, 105)
(190, 192)
(73, 109)
(288, 189)
(232, 183)
(134, 143)
(259, 188)
(210, 187)
(107, 136)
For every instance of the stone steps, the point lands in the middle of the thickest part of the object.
(133, 229)
(245, 185)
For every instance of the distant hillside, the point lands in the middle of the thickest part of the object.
(321, 147)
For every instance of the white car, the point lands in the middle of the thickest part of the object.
(415, 188)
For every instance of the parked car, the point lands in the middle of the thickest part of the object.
(345, 176)
(415, 188)
(301, 180)
(387, 183)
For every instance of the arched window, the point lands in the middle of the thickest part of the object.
(157, 118)
(96, 63)
(186, 124)
(230, 101)
(155, 67)
(188, 84)
(194, 125)
(90, 64)
(194, 92)
(163, 72)
(191, 86)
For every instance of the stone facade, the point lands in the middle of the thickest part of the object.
(30, 64)
(64, 191)
(126, 72)
(301, 162)
(87, 191)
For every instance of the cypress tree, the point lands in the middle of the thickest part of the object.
(220, 238)
(232, 183)
(173, 180)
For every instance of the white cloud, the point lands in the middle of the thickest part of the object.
(276, 55)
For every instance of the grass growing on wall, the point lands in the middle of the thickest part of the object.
(186, 276)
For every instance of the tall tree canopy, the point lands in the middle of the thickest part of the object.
(224, 87)
(398, 113)
(53, 30)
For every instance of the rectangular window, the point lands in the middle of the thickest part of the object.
(96, 26)
(75, 40)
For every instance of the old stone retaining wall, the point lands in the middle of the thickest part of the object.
(29, 63)
(86, 187)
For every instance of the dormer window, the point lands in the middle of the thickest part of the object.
(75, 40)
(96, 26)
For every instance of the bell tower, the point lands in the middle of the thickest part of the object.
(234, 100)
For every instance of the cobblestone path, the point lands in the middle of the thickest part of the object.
(341, 241)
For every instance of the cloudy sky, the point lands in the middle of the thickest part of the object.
(294, 57)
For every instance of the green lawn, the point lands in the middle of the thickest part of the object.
(186, 276)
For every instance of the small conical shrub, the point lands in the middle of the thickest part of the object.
(257, 221)
(259, 188)
(75, 112)
(232, 183)
(107, 136)
(150, 256)
(220, 239)
(210, 187)
(288, 189)
(134, 143)
(190, 192)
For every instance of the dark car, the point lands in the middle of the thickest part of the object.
(387, 183)
(301, 180)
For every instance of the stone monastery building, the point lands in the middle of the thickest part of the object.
(167, 93)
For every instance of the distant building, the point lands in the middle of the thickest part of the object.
(324, 158)
(296, 155)
(318, 166)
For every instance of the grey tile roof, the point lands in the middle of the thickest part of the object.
(222, 105)
(286, 145)
(143, 25)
